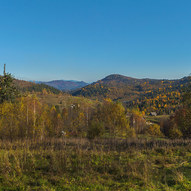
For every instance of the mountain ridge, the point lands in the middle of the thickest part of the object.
(117, 81)
(137, 92)
(24, 86)
(65, 85)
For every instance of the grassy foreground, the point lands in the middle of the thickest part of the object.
(76, 165)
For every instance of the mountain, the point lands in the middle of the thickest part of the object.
(137, 92)
(65, 85)
(24, 86)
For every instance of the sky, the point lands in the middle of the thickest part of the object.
(90, 39)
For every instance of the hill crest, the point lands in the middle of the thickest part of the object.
(65, 85)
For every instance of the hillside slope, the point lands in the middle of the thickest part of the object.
(136, 92)
(24, 86)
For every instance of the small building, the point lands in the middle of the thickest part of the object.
(153, 113)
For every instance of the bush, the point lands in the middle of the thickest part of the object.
(131, 132)
(154, 129)
(182, 119)
(175, 133)
(95, 129)
(170, 128)
(166, 124)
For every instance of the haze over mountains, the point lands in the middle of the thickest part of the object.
(65, 85)
(26, 86)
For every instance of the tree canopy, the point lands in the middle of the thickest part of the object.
(8, 90)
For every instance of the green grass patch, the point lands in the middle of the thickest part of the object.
(75, 168)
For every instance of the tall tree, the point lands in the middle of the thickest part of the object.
(8, 90)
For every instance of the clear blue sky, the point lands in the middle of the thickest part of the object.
(90, 39)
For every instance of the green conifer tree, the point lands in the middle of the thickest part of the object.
(8, 90)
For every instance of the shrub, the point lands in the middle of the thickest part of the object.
(170, 128)
(131, 132)
(154, 129)
(175, 133)
(166, 125)
(95, 129)
(182, 119)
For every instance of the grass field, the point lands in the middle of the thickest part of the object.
(77, 164)
(65, 100)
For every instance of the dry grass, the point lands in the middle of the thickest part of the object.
(103, 164)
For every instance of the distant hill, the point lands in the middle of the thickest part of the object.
(24, 86)
(137, 92)
(65, 85)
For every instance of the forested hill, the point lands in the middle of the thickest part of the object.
(24, 86)
(132, 91)
(65, 85)
(118, 87)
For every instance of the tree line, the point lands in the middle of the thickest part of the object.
(24, 116)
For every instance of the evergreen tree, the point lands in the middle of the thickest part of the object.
(8, 91)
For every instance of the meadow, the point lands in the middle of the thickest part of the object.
(80, 164)
(60, 142)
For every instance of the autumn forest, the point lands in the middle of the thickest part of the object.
(108, 135)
